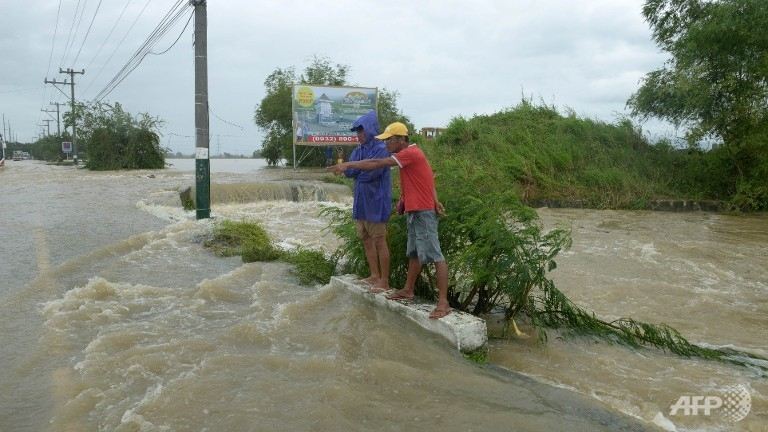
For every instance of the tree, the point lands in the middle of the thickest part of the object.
(273, 114)
(114, 139)
(716, 82)
(388, 111)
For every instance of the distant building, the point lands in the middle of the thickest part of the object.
(431, 133)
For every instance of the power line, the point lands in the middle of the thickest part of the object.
(87, 32)
(177, 39)
(53, 41)
(224, 121)
(166, 23)
(112, 30)
(125, 36)
(73, 30)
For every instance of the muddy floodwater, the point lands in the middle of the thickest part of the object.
(113, 317)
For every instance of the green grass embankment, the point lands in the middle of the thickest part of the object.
(544, 155)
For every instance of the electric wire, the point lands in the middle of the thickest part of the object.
(139, 56)
(71, 42)
(160, 30)
(69, 35)
(134, 56)
(125, 36)
(192, 14)
(46, 90)
(53, 41)
(109, 35)
(210, 111)
(87, 33)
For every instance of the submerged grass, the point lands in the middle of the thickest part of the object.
(249, 240)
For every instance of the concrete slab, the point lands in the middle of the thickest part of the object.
(466, 332)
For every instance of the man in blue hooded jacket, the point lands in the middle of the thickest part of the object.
(372, 203)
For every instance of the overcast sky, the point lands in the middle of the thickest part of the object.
(445, 58)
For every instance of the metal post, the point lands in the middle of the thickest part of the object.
(202, 157)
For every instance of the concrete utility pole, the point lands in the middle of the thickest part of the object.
(71, 84)
(58, 116)
(58, 127)
(48, 126)
(202, 144)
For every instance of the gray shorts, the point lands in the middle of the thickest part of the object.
(422, 237)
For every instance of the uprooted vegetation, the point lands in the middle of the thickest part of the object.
(249, 240)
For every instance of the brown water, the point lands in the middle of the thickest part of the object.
(113, 317)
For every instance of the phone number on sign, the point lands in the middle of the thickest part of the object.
(332, 139)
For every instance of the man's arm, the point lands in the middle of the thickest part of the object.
(365, 165)
(439, 209)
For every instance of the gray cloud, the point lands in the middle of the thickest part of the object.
(446, 58)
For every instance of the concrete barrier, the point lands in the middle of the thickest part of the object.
(464, 331)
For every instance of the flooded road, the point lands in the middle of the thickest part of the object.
(114, 317)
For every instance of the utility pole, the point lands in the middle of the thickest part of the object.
(58, 128)
(58, 116)
(48, 126)
(202, 144)
(71, 85)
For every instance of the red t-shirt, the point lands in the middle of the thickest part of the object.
(417, 182)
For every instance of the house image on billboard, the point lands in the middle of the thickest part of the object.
(324, 109)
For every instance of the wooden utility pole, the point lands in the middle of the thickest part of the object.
(71, 85)
(202, 140)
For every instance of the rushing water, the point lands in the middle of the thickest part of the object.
(113, 317)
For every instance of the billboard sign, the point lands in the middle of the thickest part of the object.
(66, 146)
(323, 115)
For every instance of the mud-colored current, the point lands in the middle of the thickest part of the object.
(113, 317)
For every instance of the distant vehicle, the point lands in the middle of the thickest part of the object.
(18, 155)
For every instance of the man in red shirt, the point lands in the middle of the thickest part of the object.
(418, 198)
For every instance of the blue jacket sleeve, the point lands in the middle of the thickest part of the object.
(355, 156)
(368, 176)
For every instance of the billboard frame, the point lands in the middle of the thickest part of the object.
(329, 117)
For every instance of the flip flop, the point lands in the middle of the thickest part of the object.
(439, 313)
(400, 298)
(377, 290)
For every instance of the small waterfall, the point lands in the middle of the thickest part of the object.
(296, 191)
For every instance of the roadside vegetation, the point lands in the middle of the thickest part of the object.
(114, 139)
(249, 240)
(108, 138)
(500, 256)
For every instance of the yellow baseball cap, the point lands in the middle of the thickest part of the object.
(395, 128)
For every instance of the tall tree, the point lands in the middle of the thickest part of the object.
(388, 111)
(715, 83)
(273, 114)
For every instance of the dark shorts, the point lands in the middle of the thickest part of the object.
(422, 237)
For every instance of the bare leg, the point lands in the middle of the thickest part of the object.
(442, 308)
(383, 251)
(373, 265)
(414, 268)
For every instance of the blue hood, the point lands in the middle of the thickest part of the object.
(373, 190)
(370, 125)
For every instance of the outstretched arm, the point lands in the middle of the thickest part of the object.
(365, 165)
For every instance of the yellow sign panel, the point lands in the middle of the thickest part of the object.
(305, 96)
